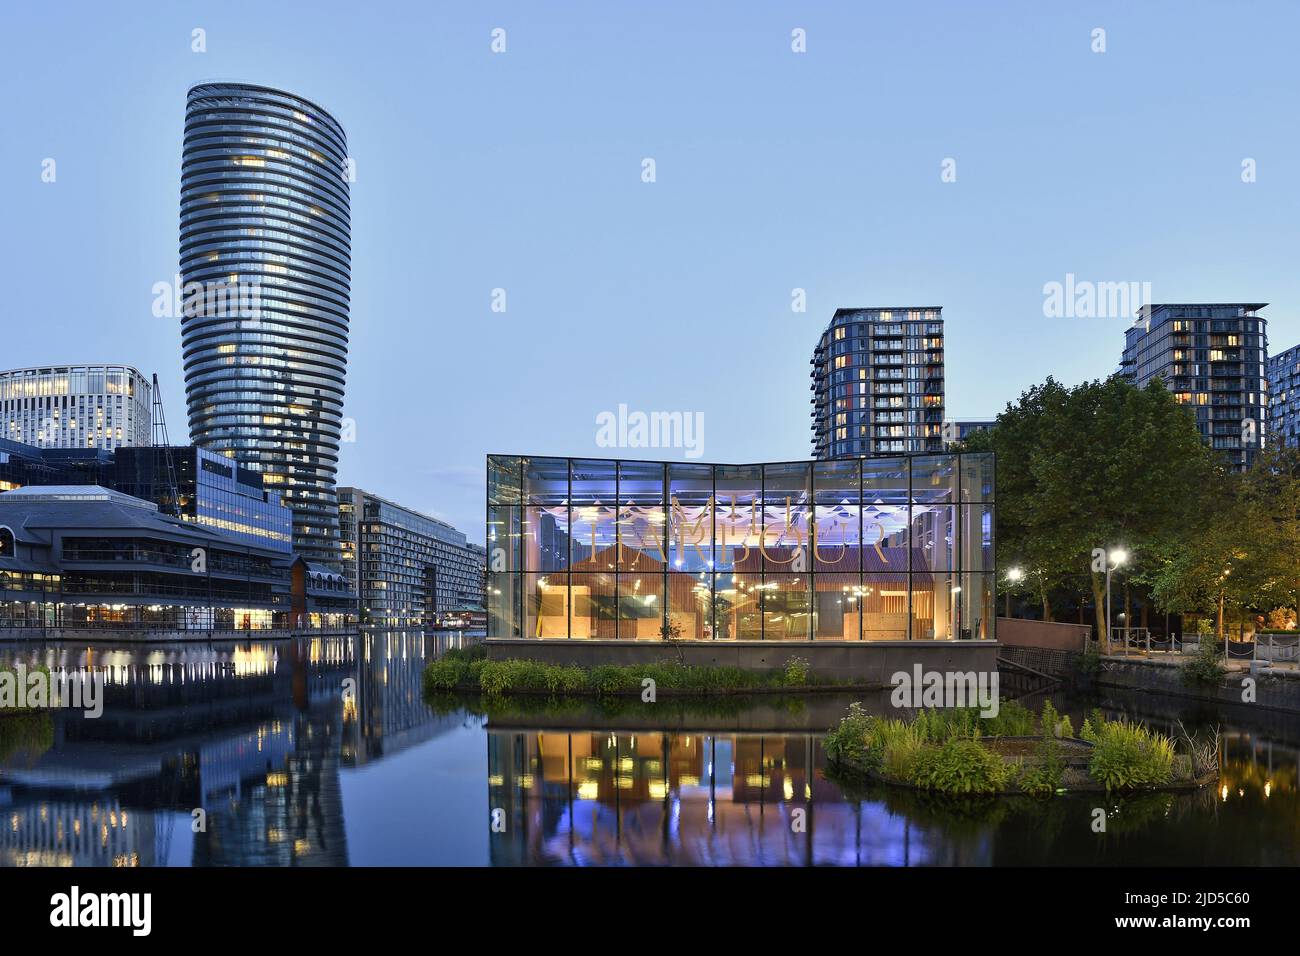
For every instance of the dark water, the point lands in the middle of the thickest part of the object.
(295, 766)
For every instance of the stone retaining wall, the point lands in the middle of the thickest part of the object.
(1274, 688)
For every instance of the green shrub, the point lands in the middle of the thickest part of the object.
(444, 674)
(796, 672)
(936, 726)
(864, 743)
(501, 677)
(847, 744)
(608, 679)
(467, 667)
(564, 680)
(1205, 668)
(900, 746)
(1128, 755)
(1048, 719)
(732, 677)
(458, 667)
(1044, 775)
(1091, 724)
(959, 765)
(1054, 724)
(496, 677)
(1013, 719)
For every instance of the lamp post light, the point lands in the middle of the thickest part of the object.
(1015, 576)
(1222, 629)
(1113, 560)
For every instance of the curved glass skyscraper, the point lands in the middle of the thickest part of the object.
(265, 258)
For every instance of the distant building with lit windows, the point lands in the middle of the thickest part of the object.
(877, 383)
(89, 557)
(1284, 398)
(212, 490)
(1212, 357)
(76, 406)
(409, 569)
(265, 207)
(962, 428)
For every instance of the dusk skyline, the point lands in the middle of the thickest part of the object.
(522, 171)
(440, 435)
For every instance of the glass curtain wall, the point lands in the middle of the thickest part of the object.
(870, 549)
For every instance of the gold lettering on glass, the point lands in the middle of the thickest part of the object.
(784, 529)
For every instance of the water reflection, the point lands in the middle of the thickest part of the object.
(325, 753)
(254, 735)
(692, 800)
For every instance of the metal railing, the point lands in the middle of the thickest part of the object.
(1277, 648)
(1126, 639)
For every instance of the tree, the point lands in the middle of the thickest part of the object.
(1097, 466)
(1020, 430)
(1246, 551)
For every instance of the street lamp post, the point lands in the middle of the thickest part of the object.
(1015, 576)
(1113, 560)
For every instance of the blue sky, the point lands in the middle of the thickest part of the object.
(775, 171)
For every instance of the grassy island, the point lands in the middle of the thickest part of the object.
(957, 751)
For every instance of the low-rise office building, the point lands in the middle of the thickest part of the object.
(22, 464)
(85, 556)
(211, 489)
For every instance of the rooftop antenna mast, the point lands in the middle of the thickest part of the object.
(169, 499)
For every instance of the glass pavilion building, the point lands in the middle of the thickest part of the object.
(876, 549)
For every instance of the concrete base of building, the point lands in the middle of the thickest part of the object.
(867, 663)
